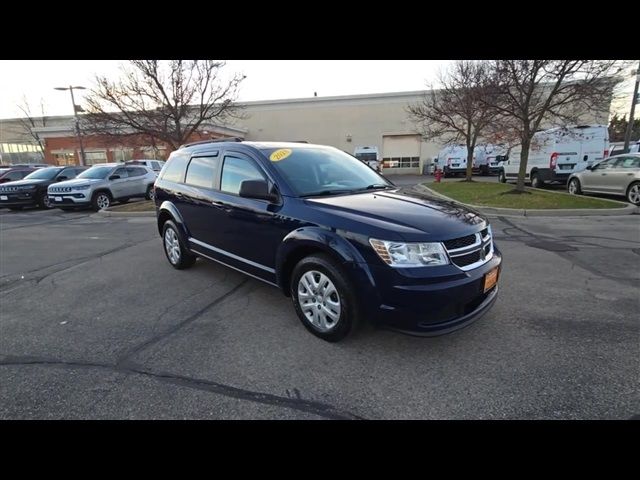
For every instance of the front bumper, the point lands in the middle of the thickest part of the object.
(21, 199)
(436, 305)
(69, 199)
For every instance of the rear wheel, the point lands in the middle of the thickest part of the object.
(323, 298)
(536, 182)
(574, 187)
(633, 193)
(150, 193)
(179, 257)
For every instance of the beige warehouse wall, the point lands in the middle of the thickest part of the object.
(331, 122)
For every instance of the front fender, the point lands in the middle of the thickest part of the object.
(297, 243)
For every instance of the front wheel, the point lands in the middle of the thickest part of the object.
(43, 201)
(633, 193)
(100, 201)
(574, 187)
(150, 195)
(323, 298)
(502, 178)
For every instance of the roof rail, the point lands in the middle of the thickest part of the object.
(213, 140)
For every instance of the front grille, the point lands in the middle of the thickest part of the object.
(470, 251)
(60, 189)
(464, 260)
(10, 189)
(460, 242)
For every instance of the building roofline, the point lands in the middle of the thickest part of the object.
(361, 96)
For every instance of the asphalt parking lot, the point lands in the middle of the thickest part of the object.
(94, 323)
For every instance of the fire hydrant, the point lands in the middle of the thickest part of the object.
(438, 175)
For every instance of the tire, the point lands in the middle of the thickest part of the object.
(633, 193)
(573, 187)
(177, 254)
(484, 171)
(150, 195)
(502, 178)
(101, 200)
(308, 277)
(43, 201)
(15, 209)
(535, 181)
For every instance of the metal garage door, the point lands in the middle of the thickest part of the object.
(401, 153)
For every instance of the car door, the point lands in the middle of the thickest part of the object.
(118, 186)
(244, 232)
(136, 184)
(597, 178)
(198, 199)
(623, 174)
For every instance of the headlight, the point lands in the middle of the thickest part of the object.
(28, 187)
(398, 254)
(81, 187)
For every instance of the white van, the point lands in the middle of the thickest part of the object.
(618, 147)
(557, 153)
(452, 160)
(369, 155)
(488, 158)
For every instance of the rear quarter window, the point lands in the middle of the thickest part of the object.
(174, 169)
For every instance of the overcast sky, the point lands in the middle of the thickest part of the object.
(266, 79)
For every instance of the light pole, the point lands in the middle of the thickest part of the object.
(627, 135)
(75, 114)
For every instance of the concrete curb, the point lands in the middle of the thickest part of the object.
(519, 212)
(107, 213)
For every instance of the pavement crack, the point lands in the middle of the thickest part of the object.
(125, 358)
(296, 402)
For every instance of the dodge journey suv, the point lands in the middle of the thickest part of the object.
(338, 238)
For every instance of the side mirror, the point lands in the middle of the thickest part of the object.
(114, 177)
(589, 167)
(256, 189)
(62, 177)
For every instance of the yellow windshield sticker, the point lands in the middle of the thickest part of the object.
(280, 154)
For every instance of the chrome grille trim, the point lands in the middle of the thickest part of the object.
(478, 246)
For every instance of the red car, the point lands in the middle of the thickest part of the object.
(9, 174)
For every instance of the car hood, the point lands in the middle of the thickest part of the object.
(413, 215)
(77, 181)
(19, 183)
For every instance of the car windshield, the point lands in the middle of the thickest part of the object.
(323, 171)
(96, 172)
(43, 174)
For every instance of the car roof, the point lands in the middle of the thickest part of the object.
(260, 145)
(633, 154)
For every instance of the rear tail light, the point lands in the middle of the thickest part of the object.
(553, 161)
(606, 154)
(449, 161)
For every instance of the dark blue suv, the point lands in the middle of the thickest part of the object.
(342, 241)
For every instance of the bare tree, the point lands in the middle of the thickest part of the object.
(453, 111)
(163, 100)
(527, 94)
(29, 122)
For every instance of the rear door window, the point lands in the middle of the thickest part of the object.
(175, 168)
(202, 171)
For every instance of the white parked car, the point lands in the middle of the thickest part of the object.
(155, 165)
(619, 175)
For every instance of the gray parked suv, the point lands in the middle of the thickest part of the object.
(101, 185)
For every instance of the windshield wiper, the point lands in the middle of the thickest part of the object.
(374, 186)
(325, 192)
